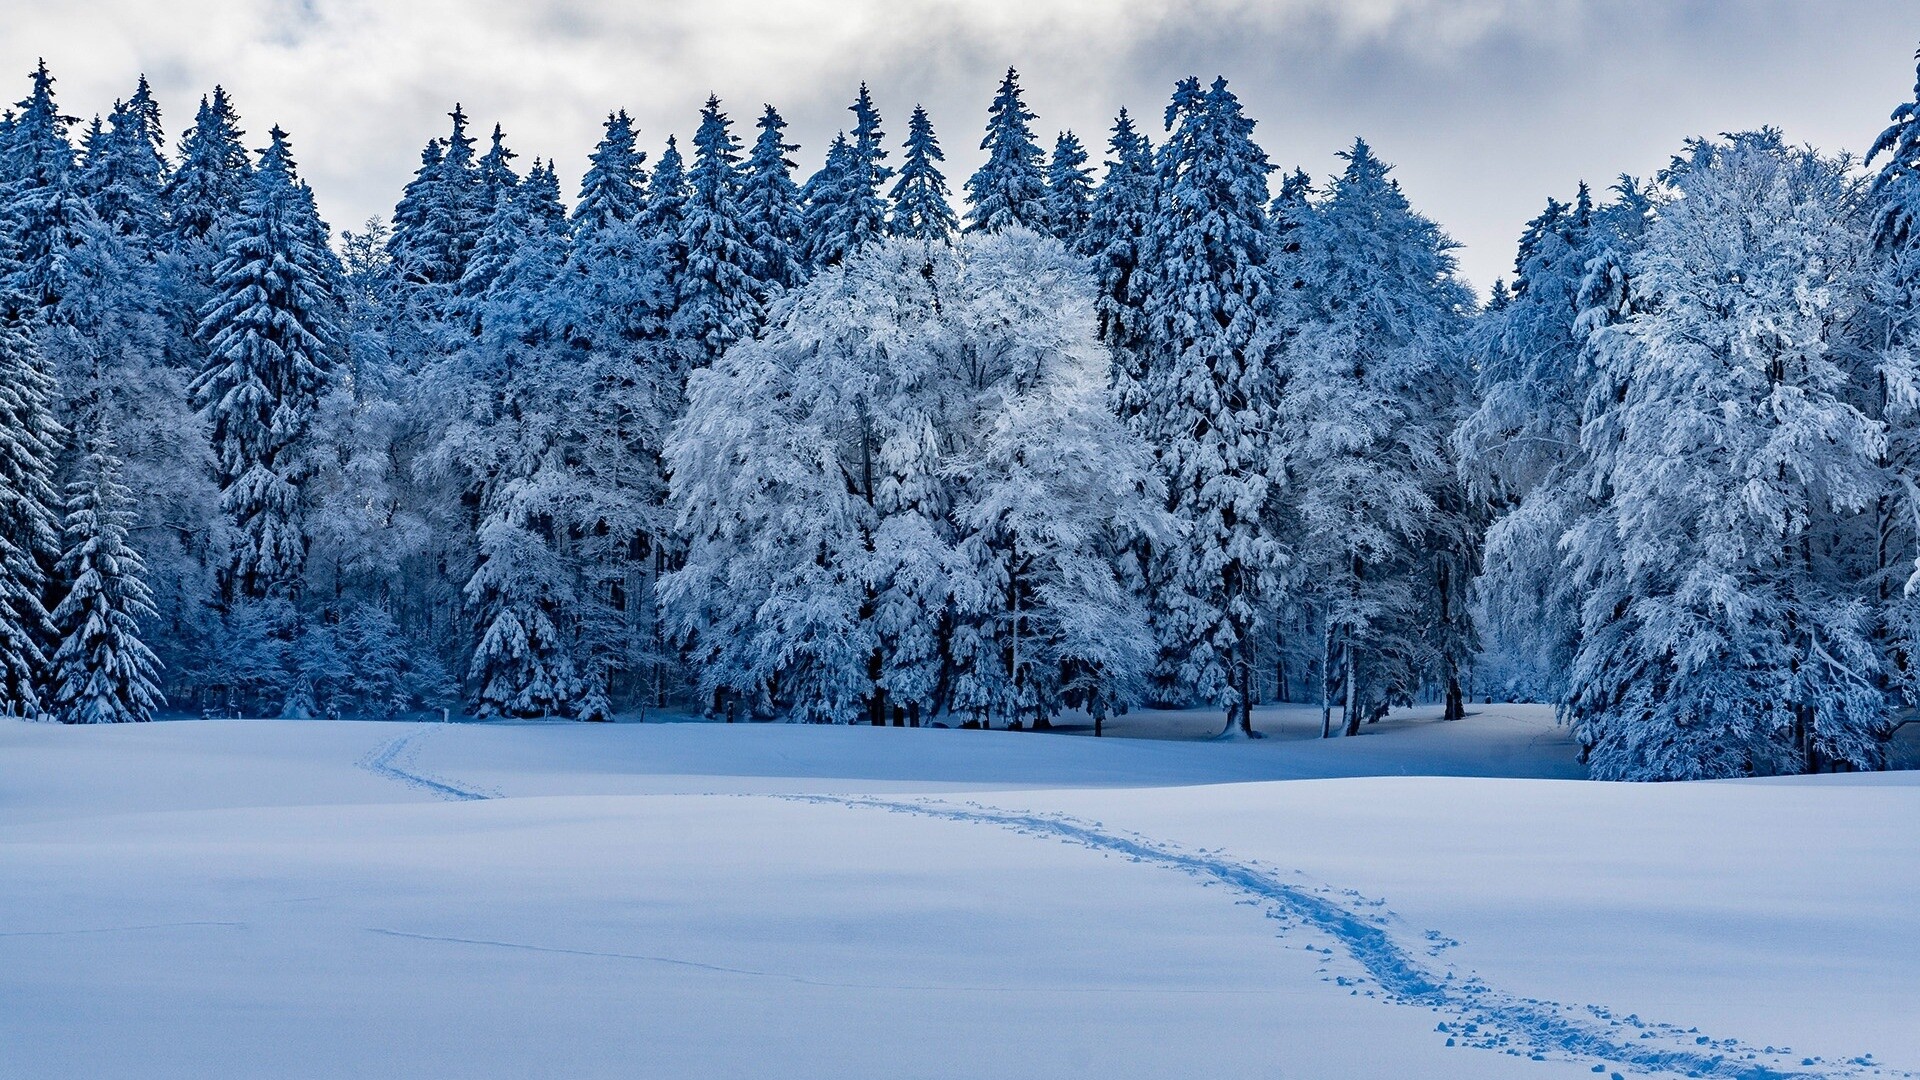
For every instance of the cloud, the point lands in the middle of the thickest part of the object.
(1487, 106)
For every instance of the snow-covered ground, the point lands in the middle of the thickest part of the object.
(336, 899)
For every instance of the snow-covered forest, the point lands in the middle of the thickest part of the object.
(873, 445)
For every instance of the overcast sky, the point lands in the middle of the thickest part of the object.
(1485, 106)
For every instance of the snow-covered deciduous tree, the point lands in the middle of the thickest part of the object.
(1722, 633)
(103, 672)
(907, 498)
(1373, 382)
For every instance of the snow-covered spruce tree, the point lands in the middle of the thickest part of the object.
(921, 209)
(211, 178)
(42, 206)
(495, 176)
(903, 499)
(273, 340)
(103, 673)
(1722, 630)
(716, 303)
(1891, 336)
(847, 208)
(614, 188)
(1373, 381)
(1069, 189)
(770, 210)
(440, 217)
(124, 178)
(664, 221)
(1121, 214)
(1009, 189)
(1209, 395)
(29, 536)
(823, 199)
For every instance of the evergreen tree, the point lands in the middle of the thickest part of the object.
(614, 187)
(1122, 212)
(207, 187)
(770, 210)
(921, 210)
(1069, 189)
(1009, 189)
(825, 197)
(103, 673)
(441, 215)
(865, 209)
(1896, 187)
(29, 537)
(846, 209)
(1209, 393)
(716, 303)
(495, 175)
(41, 205)
(273, 339)
(124, 181)
(664, 222)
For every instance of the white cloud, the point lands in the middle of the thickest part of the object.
(1488, 106)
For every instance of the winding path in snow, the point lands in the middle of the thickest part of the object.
(394, 760)
(1478, 1015)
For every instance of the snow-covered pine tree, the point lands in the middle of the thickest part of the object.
(495, 176)
(103, 672)
(29, 533)
(770, 209)
(1722, 628)
(441, 216)
(42, 205)
(1892, 338)
(921, 210)
(273, 340)
(824, 200)
(614, 188)
(211, 179)
(1373, 379)
(1122, 211)
(1519, 447)
(1069, 189)
(846, 203)
(664, 221)
(716, 303)
(1209, 394)
(1009, 189)
(125, 179)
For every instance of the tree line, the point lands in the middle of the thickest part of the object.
(833, 450)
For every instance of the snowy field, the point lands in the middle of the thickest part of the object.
(335, 899)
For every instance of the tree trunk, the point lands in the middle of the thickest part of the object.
(1326, 683)
(1352, 717)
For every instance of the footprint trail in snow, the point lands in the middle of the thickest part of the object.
(1477, 1015)
(395, 761)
